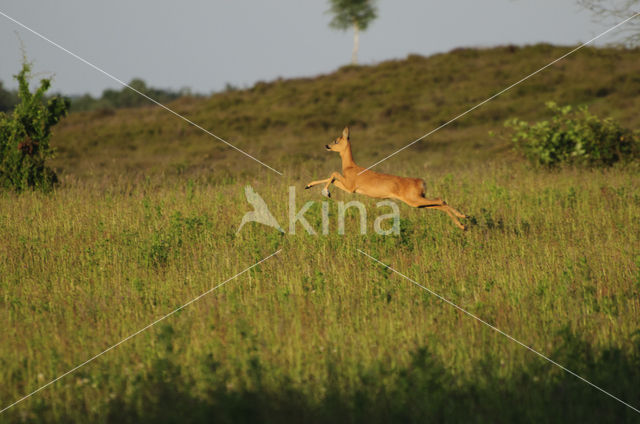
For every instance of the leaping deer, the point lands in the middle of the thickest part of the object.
(375, 184)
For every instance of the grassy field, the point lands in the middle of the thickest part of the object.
(146, 217)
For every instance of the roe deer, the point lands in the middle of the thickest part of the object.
(375, 184)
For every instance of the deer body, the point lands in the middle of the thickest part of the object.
(355, 179)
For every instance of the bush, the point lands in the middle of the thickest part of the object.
(574, 136)
(24, 136)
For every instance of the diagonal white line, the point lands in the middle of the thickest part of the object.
(140, 331)
(499, 331)
(499, 93)
(137, 91)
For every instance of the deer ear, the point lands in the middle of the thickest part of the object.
(345, 133)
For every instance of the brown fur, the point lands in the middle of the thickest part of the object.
(378, 185)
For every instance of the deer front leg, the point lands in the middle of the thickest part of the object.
(338, 184)
(313, 183)
(337, 180)
(341, 186)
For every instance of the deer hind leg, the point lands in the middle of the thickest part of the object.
(440, 202)
(457, 213)
(448, 211)
(422, 202)
(441, 205)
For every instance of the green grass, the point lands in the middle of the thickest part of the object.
(320, 332)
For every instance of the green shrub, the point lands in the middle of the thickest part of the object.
(574, 136)
(24, 136)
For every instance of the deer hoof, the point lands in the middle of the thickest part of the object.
(325, 192)
(307, 187)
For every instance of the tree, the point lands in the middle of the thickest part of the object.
(614, 11)
(356, 14)
(25, 134)
(126, 97)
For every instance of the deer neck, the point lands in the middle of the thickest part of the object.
(347, 158)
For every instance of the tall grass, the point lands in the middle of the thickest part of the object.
(319, 332)
(552, 260)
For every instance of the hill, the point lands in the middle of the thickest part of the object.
(286, 122)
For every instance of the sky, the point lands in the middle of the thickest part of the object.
(205, 44)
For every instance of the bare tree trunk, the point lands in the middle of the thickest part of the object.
(609, 12)
(356, 43)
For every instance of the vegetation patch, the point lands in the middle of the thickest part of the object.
(25, 134)
(574, 136)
